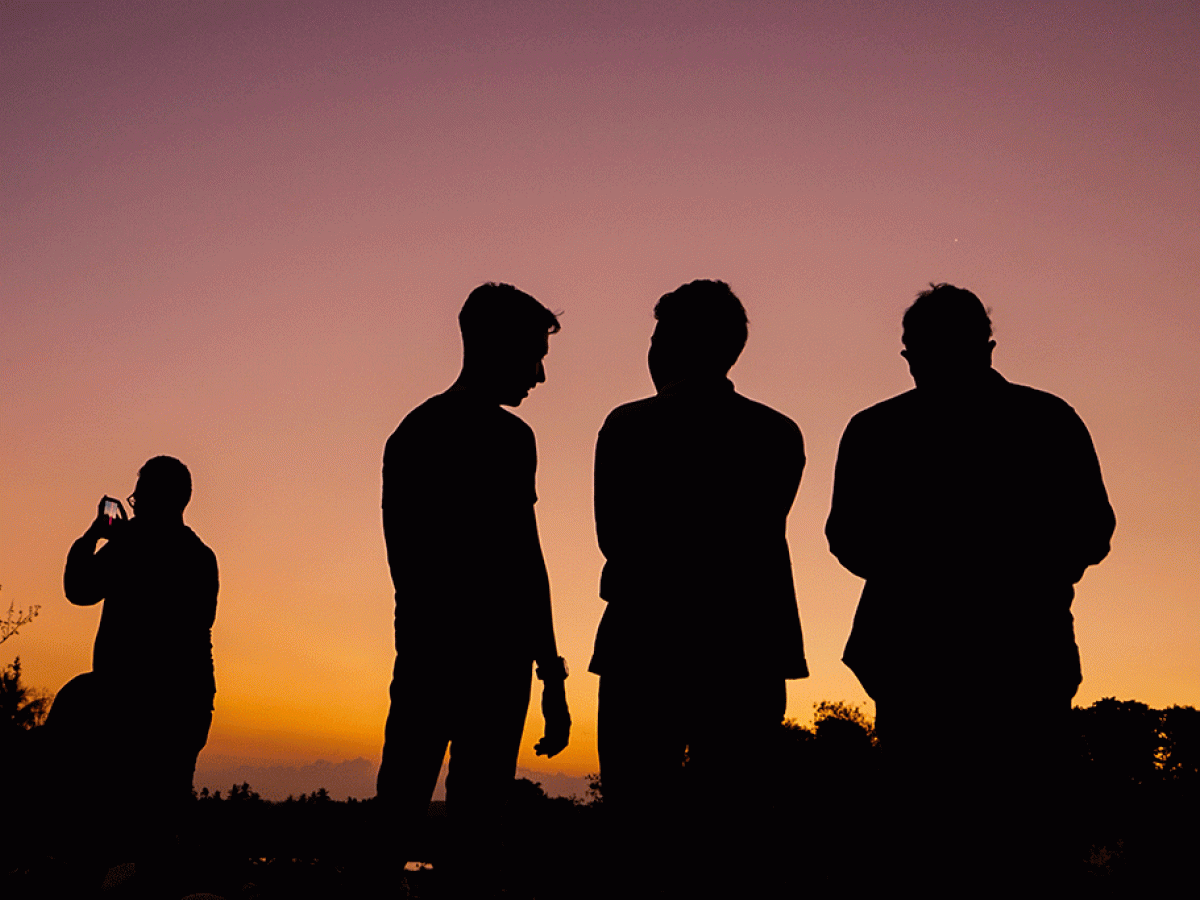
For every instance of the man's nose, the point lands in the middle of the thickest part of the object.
(541, 374)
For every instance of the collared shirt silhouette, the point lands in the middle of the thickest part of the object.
(159, 584)
(458, 519)
(473, 606)
(693, 489)
(701, 630)
(972, 507)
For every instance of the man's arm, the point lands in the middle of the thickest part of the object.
(84, 580)
(848, 528)
(551, 668)
(629, 530)
(793, 467)
(545, 647)
(608, 495)
(1088, 518)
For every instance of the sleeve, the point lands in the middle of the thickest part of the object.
(85, 578)
(408, 504)
(605, 487)
(623, 525)
(852, 538)
(1088, 521)
(793, 467)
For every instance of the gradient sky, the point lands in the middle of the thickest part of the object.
(239, 233)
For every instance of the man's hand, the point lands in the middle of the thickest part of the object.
(557, 716)
(104, 526)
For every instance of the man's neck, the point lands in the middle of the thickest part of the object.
(472, 385)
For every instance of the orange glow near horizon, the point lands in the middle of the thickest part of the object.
(240, 235)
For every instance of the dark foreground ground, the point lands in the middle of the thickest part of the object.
(1128, 811)
(243, 848)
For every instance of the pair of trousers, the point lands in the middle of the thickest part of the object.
(478, 713)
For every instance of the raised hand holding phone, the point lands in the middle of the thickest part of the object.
(109, 517)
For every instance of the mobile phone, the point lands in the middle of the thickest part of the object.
(111, 509)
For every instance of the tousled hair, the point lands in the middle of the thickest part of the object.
(708, 316)
(945, 316)
(168, 480)
(497, 315)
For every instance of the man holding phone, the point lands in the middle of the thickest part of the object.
(158, 582)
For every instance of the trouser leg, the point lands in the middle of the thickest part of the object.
(641, 744)
(415, 739)
(733, 731)
(490, 714)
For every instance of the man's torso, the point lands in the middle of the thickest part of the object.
(458, 495)
(692, 496)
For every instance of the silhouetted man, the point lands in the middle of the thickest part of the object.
(472, 596)
(693, 489)
(971, 506)
(142, 716)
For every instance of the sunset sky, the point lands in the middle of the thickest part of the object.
(239, 233)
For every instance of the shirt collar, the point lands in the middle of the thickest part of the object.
(702, 386)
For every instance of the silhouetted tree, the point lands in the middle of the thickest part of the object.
(243, 794)
(14, 619)
(837, 717)
(1180, 752)
(595, 790)
(21, 708)
(1121, 740)
(1137, 771)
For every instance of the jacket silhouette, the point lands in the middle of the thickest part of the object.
(971, 518)
(693, 490)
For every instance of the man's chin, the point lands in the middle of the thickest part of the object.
(515, 400)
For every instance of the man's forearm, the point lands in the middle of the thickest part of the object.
(80, 578)
(545, 647)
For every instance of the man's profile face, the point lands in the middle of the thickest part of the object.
(521, 371)
(146, 499)
(669, 359)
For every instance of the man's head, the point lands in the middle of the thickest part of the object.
(702, 328)
(506, 335)
(164, 487)
(947, 337)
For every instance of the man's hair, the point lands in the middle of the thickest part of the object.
(499, 315)
(168, 480)
(709, 316)
(944, 316)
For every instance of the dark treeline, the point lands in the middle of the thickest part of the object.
(1136, 782)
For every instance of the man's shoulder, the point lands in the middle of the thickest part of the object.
(1028, 400)
(748, 413)
(190, 542)
(454, 416)
(177, 542)
(756, 414)
(1036, 399)
(633, 412)
(895, 407)
(202, 553)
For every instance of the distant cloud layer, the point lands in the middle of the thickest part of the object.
(349, 778)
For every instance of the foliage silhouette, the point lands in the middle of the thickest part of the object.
(14, 619)
(21, 708)
(1134, 828)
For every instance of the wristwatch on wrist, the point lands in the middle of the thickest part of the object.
(556, 671)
